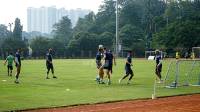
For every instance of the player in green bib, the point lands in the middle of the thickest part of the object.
(9, 60)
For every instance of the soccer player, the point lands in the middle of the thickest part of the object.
(158, 66)
(111, 60)
(128, 69)
(18, 65)
(99, 56)
(105, 66)
(49, 63)
(10, 60)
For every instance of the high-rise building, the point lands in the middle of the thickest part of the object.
(42, 19)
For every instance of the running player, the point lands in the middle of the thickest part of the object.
(158, 66)
(128, 68)
(18, 65)
(10, 60)
(49, 63)
(99, 64)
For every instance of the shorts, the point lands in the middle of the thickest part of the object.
(17, 65)
(158, 69)
(110, 67)
(10, 67)
(106, 65)
(49, 66)
(128, 70)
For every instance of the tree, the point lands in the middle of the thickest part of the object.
(83, 42)
(107, 39)
(39, 45)
(84, 24)
(105, 18)
(179, 35)
(131, 37)
(17, 32)
(4, 33)
(63, 30)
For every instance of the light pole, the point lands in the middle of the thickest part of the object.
(10, 26)
(116, 47)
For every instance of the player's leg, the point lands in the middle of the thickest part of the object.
(17, 74)
(131, 76)
(52, 71)
(11, 69)
(126, 74)
(108, 75)
(98, 64)
(158, 72)
(8, 70)
(101, 75)
(48, 69)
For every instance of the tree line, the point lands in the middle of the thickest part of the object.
(169, 25)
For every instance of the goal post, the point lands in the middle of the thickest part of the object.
(183, 73)
(196, 52)
(152, 54)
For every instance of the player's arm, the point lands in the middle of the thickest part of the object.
(5, 61)
(159, 63)
(102, 61)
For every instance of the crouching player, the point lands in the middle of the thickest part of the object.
(158, 69)
(128, 69)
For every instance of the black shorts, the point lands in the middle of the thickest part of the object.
(10, 67)
(158, 69)
(128, 70)
(49, 66)
(110, 67)
(106, 65)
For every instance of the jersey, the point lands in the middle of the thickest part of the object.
(158, 59)
(48, 58)
(98, 56)
(10, 60)
(129, 59)
(17, 58)
(106, 58)
(110, 58)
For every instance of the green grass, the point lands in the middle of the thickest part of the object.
(34, 91)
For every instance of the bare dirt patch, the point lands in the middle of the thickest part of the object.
(188, 103)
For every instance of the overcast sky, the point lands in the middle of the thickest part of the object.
(10, 9)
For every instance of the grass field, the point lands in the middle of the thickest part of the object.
(76, 85)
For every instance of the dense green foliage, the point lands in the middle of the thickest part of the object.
(76, 85)
(143, 25)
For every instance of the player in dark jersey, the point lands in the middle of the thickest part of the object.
(158, 69)
(111, 60)
(18, 65)
(106, 65)
(49, 63)
(99, 56)
(128, 69)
